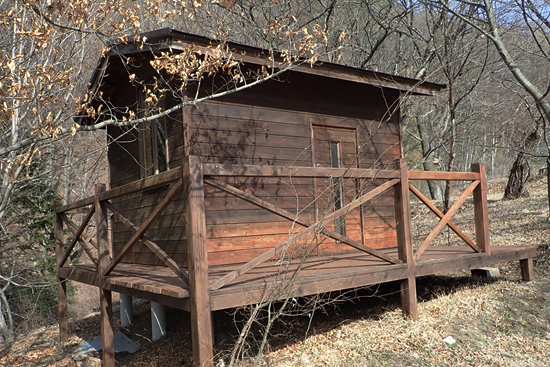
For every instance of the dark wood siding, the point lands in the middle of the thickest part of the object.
(224, 132)
(169, 230)
(269, 125)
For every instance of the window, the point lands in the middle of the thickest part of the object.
(153, 145)
(339, 225)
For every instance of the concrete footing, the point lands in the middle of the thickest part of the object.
(158, 320)
(126, 310)
(486, 272)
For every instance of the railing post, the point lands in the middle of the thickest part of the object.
(105, 297)
(404, 242)
(481, 211)
(61, 285)
(199, 294)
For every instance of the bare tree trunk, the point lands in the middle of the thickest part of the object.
(429, 165)
(520, 170)
(6, 328)
(450, 166)
(516, 180)
(452, 153)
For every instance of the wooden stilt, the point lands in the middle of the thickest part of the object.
(107, 335)
(526, 266)
(199, 296)
(404, 242)
(105, 298)
(61, 285)
(481, 212)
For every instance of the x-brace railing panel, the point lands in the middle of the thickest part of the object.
(445, 220)
(437, 212)
(315, 228)
(160, 253)
(296, 219)
(79, 236)
(159, 209)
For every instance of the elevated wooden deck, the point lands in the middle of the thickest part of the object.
(317, 275)
(201, 287)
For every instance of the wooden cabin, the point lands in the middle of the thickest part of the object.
(292, 187)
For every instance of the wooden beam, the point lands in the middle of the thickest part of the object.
(161, 179)
(214, 169)
(437, 212)
(526, 266)
(61, 285)
(315, 228)
(105, 299)
(409, 303)
(145, 226)
(445, 220)
(82, 210)
(83, 242)
(107, 334)
(77, 235)
(166, 259)
(199, 294)
(481, 212)
(243, 294)
(447, 264)
(76, 205)
(294, 218)
(438, 175)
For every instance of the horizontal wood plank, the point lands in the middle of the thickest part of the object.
(281, 171)
(436, 175)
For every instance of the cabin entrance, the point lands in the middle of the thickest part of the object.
(336, 147)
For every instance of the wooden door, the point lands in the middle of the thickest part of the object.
(336, 147)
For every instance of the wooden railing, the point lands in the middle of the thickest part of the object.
(99, 204)
(478, 188)
(184, 178)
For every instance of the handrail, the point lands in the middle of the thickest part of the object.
(148, 183)
(442, 175)
(214, 169)
(242, 170)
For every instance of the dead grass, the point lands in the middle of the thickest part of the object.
(504, 322)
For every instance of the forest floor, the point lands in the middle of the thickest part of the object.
(495, 322)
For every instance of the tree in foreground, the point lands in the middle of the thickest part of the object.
(499, 21)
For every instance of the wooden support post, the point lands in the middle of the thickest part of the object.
(61, 285)
(105, 297)
(526, 266)
(404, 242)
(480, 210)
(199, 295)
